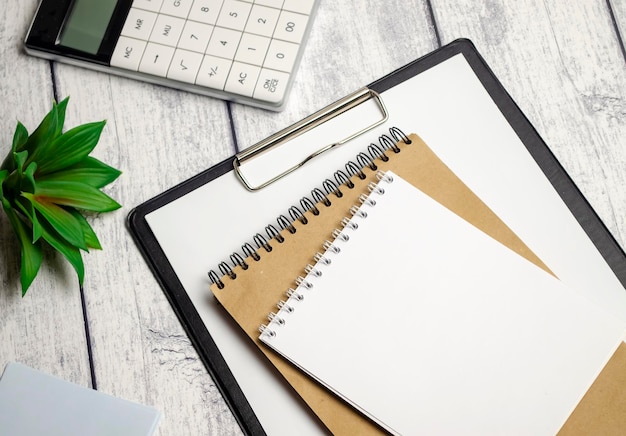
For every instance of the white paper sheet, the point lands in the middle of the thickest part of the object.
(429, 326)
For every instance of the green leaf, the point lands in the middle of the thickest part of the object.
(20, 160)
(71, 253)
(27, 184)
(46, 131)
(27, 208)
(8, 163)
(28, 181)
(89, 171)
(3, 175)
(90, 236)
(31, 253)
(68, 149)
(61, 107)
(19, 137)
(60, 219)
(75, 194)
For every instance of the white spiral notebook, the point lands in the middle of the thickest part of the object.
(429, 326)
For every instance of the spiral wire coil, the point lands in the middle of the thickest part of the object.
(319, 196)
(306, 284)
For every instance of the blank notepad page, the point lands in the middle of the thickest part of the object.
(429, 326)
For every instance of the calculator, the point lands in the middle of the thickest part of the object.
(245, 51)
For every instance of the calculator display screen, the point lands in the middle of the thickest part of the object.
(86, 24)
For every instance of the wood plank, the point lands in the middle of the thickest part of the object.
(562, 64)
(350, 45)
(45, 329)
(158, 137)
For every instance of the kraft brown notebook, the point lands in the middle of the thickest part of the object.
(254, 291)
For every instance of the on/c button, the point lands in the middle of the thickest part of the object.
(272, 86)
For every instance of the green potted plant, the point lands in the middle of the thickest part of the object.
(47, 181)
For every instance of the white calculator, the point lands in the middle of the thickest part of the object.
(245, 51)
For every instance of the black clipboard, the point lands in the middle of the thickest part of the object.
(183, 306)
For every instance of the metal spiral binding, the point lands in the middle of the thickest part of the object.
(320, 258)
(310, 269)
(319, 196)
(329, 246)
(338, 234)
(306, 284)
(274, 317)
(291, 293)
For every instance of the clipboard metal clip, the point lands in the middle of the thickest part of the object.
(306, 124)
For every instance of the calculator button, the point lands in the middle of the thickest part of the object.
(234, 14)
(271, 86)
(139, 24)
(252, 49)
(176, 8)
(223, 42)
(205, 11)
(262, 20)
(272, 3)
(167, 30)
(213, 72)
(156, 59)
(195, 36)
(127, 53)
(185, 65)
(300, 6)
(148, 5)
(291, 26)
(242, 79)
(281, 55)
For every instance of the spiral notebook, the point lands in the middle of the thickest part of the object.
(462, 112)
(250, 290)
(429, 326)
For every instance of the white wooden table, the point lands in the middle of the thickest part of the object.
(563, 62)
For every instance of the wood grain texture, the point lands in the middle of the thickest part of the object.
(45, 329)
(562, 63)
